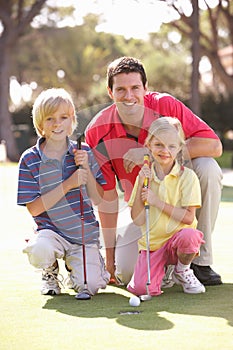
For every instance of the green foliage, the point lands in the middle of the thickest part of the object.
(217, 112)
(226, 160)
(83, 54)
(166, 63)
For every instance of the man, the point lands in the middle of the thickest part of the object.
(117, 135)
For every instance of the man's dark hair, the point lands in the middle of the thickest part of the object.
(125, 65)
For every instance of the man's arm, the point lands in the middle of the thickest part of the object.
(201, 140)
(108, 214)
(196, 147)
(203, 147)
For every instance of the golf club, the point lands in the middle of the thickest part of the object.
(84, 294)
(147, 296)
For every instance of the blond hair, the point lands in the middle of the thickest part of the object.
(167, 124)
(47, 103)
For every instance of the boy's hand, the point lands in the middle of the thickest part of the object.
(81, 158)
(82, 177)
(77, 179)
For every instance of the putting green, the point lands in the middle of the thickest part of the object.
(107, 321)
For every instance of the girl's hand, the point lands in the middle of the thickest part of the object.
(144, 173)
(148, 196)
(81, 158)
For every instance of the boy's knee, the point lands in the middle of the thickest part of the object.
(40, 255)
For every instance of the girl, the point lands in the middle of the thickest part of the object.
(173, 195)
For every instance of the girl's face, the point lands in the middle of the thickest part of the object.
(165, 148)
(58, 125)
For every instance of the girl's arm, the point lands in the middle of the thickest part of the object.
(185, 215)
(138, 208)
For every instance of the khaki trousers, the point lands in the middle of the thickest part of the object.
(49, 246)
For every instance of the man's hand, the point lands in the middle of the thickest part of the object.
(133, 157)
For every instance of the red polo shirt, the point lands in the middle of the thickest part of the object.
(109, 140)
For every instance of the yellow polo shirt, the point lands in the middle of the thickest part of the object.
(180, 188)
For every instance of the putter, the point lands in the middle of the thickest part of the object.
(84, 294)
(147, 296)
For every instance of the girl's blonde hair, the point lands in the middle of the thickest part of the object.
(168, 124)
(47, 103)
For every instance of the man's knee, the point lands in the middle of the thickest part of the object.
(207, 169)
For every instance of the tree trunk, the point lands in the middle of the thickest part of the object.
(6, 132)
(195, 36)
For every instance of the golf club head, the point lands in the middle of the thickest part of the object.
(84, 295)
(145, 297)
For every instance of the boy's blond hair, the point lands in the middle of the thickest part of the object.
(167, 124)
(47, 103)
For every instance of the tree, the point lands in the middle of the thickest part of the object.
(195, 98)
(166, 63)
(216, 32)
(15, 18)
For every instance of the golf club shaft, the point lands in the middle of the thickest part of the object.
(147, 209)
(79, 144)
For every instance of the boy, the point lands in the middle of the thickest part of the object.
(49, 186)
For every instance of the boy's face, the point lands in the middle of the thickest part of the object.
(58, 125)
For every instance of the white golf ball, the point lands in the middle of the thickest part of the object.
(134, 301)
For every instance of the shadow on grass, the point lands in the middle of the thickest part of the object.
(216, 302)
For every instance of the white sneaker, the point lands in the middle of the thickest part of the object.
(50, 281)
(167, 281)
(188, 281)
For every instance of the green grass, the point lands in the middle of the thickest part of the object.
(172, 320)
(226, 160)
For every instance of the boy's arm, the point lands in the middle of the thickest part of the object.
(94, 190)
(49, 199)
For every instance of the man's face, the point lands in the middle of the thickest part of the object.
(128, 93)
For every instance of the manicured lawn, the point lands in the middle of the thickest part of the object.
(172, 321)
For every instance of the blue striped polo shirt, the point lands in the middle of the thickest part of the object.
(39, 175)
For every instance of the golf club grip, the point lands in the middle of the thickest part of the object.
(146, 162)
(79, 143)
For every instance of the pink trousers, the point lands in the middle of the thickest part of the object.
(186, 241)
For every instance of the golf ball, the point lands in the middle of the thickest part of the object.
(134, 301)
